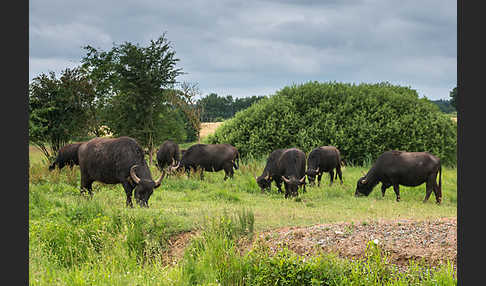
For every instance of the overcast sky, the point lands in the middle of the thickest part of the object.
(245, 48)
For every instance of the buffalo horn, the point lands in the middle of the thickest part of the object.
(286, 180)
(317, 170)
(133, 175)
(302, 180)
(267, 177)
(159, 181)
(173, 168)
(363, 181)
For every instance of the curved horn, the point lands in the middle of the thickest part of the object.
(174, 168)
(317, 170)
(363, 181)
(267, 177)
(302, 180)
(286, 180)
(159, 181)
(133, 175)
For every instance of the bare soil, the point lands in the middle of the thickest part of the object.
(433, 241)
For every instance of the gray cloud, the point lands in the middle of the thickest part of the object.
(245, 48)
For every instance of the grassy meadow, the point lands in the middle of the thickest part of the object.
(74, 240)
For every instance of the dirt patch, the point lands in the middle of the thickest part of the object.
(434, 241)
(177, 244)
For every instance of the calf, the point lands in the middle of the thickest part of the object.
(168, 154)
(324, 159)
(211, 158)
(394, 168)
(270, 171)
(67, 155)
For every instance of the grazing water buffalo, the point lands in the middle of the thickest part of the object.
(394, 168)
(324, 159)
(291, 169)
(270, 172)
(117, 161)
(168, 154)
(211, 158)
(67, 155)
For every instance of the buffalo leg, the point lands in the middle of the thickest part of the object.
(228, 171)
(128, 191)
(428, 191)
(332, 176)
(319, 177)
(438, 193)
(279, 185)
(86, 184)
(340, 174)
(383, 189)
(397, 191)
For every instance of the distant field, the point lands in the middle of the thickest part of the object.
(209, 128)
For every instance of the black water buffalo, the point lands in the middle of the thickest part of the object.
(117, 160)
(168, 154)
(394, 168)
(291, 169)
(324, 159)
(270, 172)
(211, 158)
(67, 155)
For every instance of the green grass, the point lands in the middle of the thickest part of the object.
(74, 240)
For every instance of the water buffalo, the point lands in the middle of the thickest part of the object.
(394, 168)
(67, 155)
(168, 154)
(117, 160)
(291, 169)
(270, 172)
(324, 159)
(211, 158)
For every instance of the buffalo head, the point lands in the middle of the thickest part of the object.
(363, 187)
(311, 175)
(144, 187)
(292, 185)
(264, 182)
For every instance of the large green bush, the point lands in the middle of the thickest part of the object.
(362, 121)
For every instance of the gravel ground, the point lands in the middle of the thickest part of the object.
(435, 241)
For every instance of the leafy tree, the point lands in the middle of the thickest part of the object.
(135, 80)
(453, 96)
(362, 121)
(444, 105)
(215, 108)
(60, 109)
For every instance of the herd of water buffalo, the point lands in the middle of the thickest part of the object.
(122, 161)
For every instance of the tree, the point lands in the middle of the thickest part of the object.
(185, 99)
(214, 107)
(135, 80)
(453, 96)
(60, 109)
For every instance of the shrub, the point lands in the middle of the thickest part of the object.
(362, 121)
